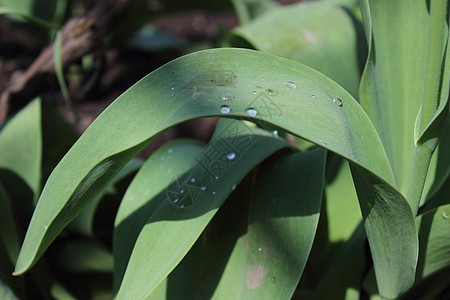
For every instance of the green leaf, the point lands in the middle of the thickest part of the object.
(249, 9)
(321, 35)
(59, 70)
(28, 17)
(84, 256)
(6, 293)
(183, 200)
(397, 77)
(269, 256)
(342, 208)
(8, 227)
(84, 222)
(197, 85)
(21, 153)
(434, 237)
(351, 260)
(392, 84)
(391, 231)
(439, 169)
(43, 9)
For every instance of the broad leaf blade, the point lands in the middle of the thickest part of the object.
(392, 84)
(198, 85)
(268, 259)
(179, 212)
(434, 236)
(21, 151)
(8, 227)
(391, 231)
(320, 35)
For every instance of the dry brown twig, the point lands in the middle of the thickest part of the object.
(81, 35)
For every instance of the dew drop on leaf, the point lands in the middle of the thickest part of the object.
(203, 188)
(337, 101)
(226, 97)
(290, 85)
(231, 156)
(192, 179)
(224, 109)
(275, 133)
(170, 150)
(254, 93)
(313, 96)
(233, 187)
(251, 112)
(445, 215)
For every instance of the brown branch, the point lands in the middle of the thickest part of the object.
(81, 35)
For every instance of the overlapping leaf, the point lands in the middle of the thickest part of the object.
(320, 35)
(185, 189)
(231, 82)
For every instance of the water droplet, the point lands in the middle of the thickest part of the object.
(251, 112)
(213, 193)
(225, 109)
(172, 88)
(170, 150)
(231, 156)
(192, 179)
(259, 249)
(271, 92)
(337, 101)
(216, 177)
(445, 215)
(171, 94)
(313, 96)
(182, 206)
(275, 133)
(290, 85)
(226, 97)
(181, 191)
(176, 200)
(233, 187)
(203, 188)
(263, 79)
(254, 93)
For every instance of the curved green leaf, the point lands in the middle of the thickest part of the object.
(6, 293)
(321, 35)
(139, 201)
(21, 153)
(251, 84)
(84, 223)
(84, 256)
(183, 200)
(267, 261)
(434, 236)
(8, 227)
(391, 231)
